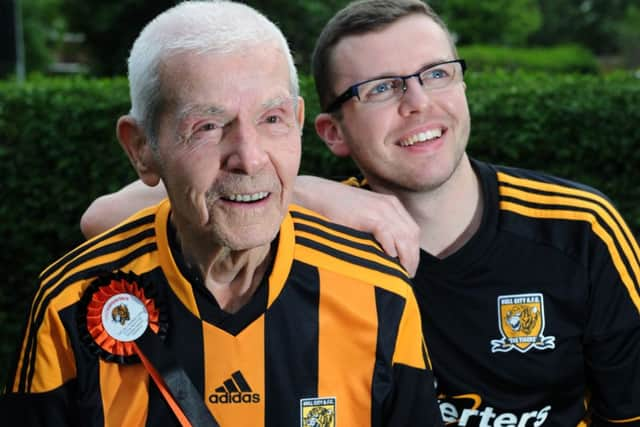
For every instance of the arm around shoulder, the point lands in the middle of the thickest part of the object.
(379, 214)
(110, 209)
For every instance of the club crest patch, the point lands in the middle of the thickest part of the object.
(521, 322)
(318, 412)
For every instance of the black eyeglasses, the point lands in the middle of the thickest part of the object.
(432, 77)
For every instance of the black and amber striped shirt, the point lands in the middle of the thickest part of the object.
(336, 319)
(536, 320)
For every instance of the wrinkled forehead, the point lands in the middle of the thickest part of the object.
(258, 75)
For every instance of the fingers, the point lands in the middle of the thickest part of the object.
(387, 242)
(409, 257)
(397, 232)
(408, 241)
(379, 214)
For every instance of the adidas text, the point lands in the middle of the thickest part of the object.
(234, 398)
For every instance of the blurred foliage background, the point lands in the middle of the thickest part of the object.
(98, 34)
(553, 85)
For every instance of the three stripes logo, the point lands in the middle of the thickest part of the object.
(234, 390)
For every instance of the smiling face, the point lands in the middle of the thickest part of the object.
(414, 143)
(228, 145)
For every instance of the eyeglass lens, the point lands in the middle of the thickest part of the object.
(433, 78)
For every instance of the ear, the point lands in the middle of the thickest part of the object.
(134, 142)
(328, 128)
(300, 117)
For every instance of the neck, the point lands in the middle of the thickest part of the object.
(231, 276)
(448, 216)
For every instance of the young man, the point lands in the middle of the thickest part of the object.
(223, 305)
(528, 284)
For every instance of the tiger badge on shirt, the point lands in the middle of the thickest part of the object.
(318, 412)
(521, 322)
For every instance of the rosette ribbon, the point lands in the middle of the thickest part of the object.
(123, 319)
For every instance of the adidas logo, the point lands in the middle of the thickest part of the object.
(234, 390)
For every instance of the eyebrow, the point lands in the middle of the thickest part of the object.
(215, 110)
(423, 67)
(208, 110)
(276, 102)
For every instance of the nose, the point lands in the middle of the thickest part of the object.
(415, 99)
(247, 153)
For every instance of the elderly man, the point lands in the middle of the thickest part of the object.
(222, 305)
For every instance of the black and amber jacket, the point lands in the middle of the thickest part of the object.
(333, 335)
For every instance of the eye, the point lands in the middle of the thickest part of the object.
(273, 119)
(280, 115)
(276, 122)
(207, 127)
(437, 73)
(381, 89)
(205, 131)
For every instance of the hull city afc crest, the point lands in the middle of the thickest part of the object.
(318, 412)
(521, 321)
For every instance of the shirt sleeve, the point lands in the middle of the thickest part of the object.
(39, 388)
(612, 334)
(50, 409)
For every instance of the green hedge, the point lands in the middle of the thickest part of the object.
(558, 59)
(58, 151)
(580, 127)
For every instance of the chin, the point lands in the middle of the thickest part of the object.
(251, 237)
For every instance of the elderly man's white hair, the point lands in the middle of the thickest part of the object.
(202, 27)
